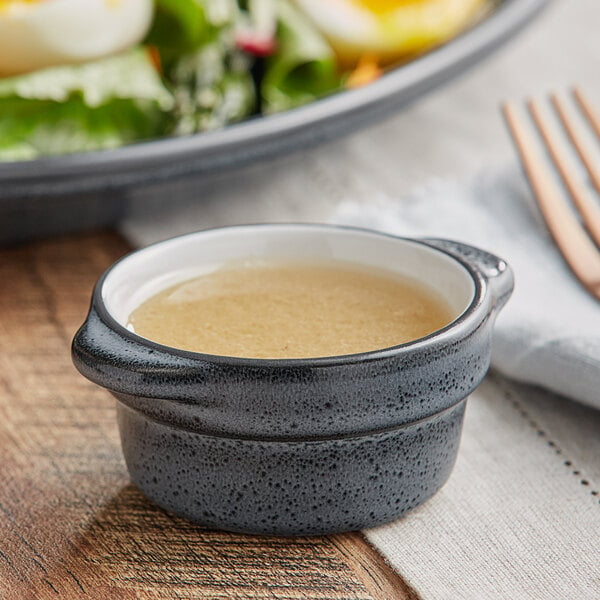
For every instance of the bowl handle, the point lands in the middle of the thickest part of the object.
(124, 365)
(494, 270)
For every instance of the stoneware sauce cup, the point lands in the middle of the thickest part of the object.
(292, 446)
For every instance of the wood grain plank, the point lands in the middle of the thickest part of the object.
(71, 524)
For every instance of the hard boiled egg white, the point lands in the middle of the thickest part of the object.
(40, 33)
(388, 29)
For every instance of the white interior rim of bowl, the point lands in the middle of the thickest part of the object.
(146, 272)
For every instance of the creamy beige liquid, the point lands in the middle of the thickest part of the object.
(291, 310)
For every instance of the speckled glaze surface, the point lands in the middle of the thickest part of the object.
(295, 446)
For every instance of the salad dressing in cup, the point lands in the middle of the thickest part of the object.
(290, 310)
(293, 446)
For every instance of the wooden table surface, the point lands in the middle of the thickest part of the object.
(71, 523)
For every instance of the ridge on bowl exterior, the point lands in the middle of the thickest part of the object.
(293, 446)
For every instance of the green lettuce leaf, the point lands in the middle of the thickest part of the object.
(183, 26)
(96, 105)
(304, 66)
(208, 75)
(212, 87)
(179, 26)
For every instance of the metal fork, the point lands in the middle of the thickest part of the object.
(563, 217)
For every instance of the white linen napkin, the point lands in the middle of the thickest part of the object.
(549, 332)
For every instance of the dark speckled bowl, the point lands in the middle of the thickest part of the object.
(292, 446)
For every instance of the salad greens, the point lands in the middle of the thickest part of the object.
(304, 66)
(212, 73)
(101, 104)
(203, 64)
(210, 77)
(179, 26)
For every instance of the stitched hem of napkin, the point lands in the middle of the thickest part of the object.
(543, 433)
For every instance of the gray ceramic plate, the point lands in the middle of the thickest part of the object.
(78, 191)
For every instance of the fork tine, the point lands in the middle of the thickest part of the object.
(588, 110)
(576, 247)
(581, 197)
(583, 150)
